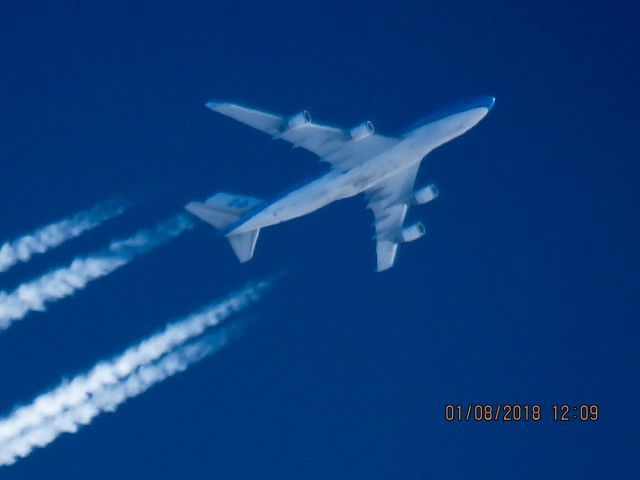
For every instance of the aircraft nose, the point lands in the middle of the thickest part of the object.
(485, 101)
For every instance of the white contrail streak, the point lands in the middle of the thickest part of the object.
(109, 383)
(109, 397)
(65, 281)
(53, 235)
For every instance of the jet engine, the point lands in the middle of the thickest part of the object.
(302, 118)
(362, 131)
(412, 233)
(425, 194)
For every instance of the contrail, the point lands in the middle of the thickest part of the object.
(50, 236)
(108, 398)
(65, 281)
(109, 383)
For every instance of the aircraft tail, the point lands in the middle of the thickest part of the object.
(244, 244)
(223, 210)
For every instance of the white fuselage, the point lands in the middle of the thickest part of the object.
(336, 185)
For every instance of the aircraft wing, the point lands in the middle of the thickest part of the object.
(333, 145)
(389, 201)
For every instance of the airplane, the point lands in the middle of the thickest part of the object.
(384, 168)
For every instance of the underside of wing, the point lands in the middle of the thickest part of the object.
(389, 201)
(342, 149)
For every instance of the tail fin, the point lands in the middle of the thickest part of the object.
(224, 209)
(244, 244)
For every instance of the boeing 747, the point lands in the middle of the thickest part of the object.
(383, 168)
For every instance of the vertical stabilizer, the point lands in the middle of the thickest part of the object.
(244, 244)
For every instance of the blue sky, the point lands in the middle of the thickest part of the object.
(525, 289)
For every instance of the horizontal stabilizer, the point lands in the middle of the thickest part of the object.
(213, 216)
(233, 202)
(222, 209)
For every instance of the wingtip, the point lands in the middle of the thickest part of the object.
(191, 206)
(212, 105)
(382, 268)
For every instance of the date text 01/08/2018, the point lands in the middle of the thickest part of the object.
(520, 412)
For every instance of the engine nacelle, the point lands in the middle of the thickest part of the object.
(362, 131)
(426, 194)
(414, 232)
(297, 121)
